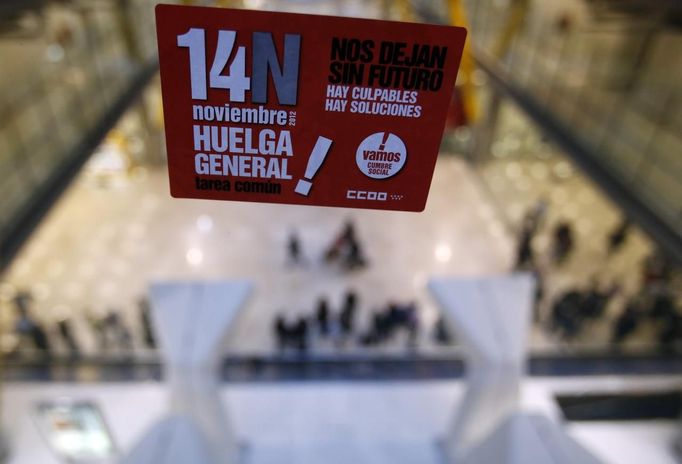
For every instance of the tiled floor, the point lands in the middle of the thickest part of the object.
(523, 169)
(110, 236)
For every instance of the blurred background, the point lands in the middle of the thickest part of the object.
(562, 158)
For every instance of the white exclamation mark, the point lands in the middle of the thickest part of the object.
(316, 159)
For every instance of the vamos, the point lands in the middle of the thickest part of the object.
(374, 155)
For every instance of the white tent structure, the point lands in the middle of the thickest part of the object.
(192, 321)
(529, 439)
(491, 316)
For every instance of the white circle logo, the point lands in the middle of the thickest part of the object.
(381, 155)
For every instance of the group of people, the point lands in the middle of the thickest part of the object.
(654, 304)
(571, 311)
(563, 240)
(563, 237)
(296, 334)
(341, 327)
(390, 320)
(345, 250)
(110, 331)
(576, 307)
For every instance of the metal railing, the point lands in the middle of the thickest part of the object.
(79, 79)
(278, 368)
(606, 83)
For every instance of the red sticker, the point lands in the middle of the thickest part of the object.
(303, 109)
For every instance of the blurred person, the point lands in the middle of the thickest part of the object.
(348, 232)
(563, 242)
(396, 316)
(370, 337)
(662, 304)
(27, 327)
(670, 332)
(333, 252)
(618, 236)
(656, 269)
(388, 321)
(300, 334)
(412, 324)
(146, 322)
(294, 335)
(566, 319)
(355, 257)
(281, 332)
(595, 299)
(117, 332)
(346, 249)
(322, 316)
(65, 329)
(524, 252)
(535, 217)
(97, 326)
(539, 294)
(530, 224)
(340, 247)
(380, 329)
(347, 314)
(626, 323)
(441, 332)
(294, 248)
(564, 23)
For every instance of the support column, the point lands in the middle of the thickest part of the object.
(484, 133)
(491, 316)
(529, 439)
(191, 321)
